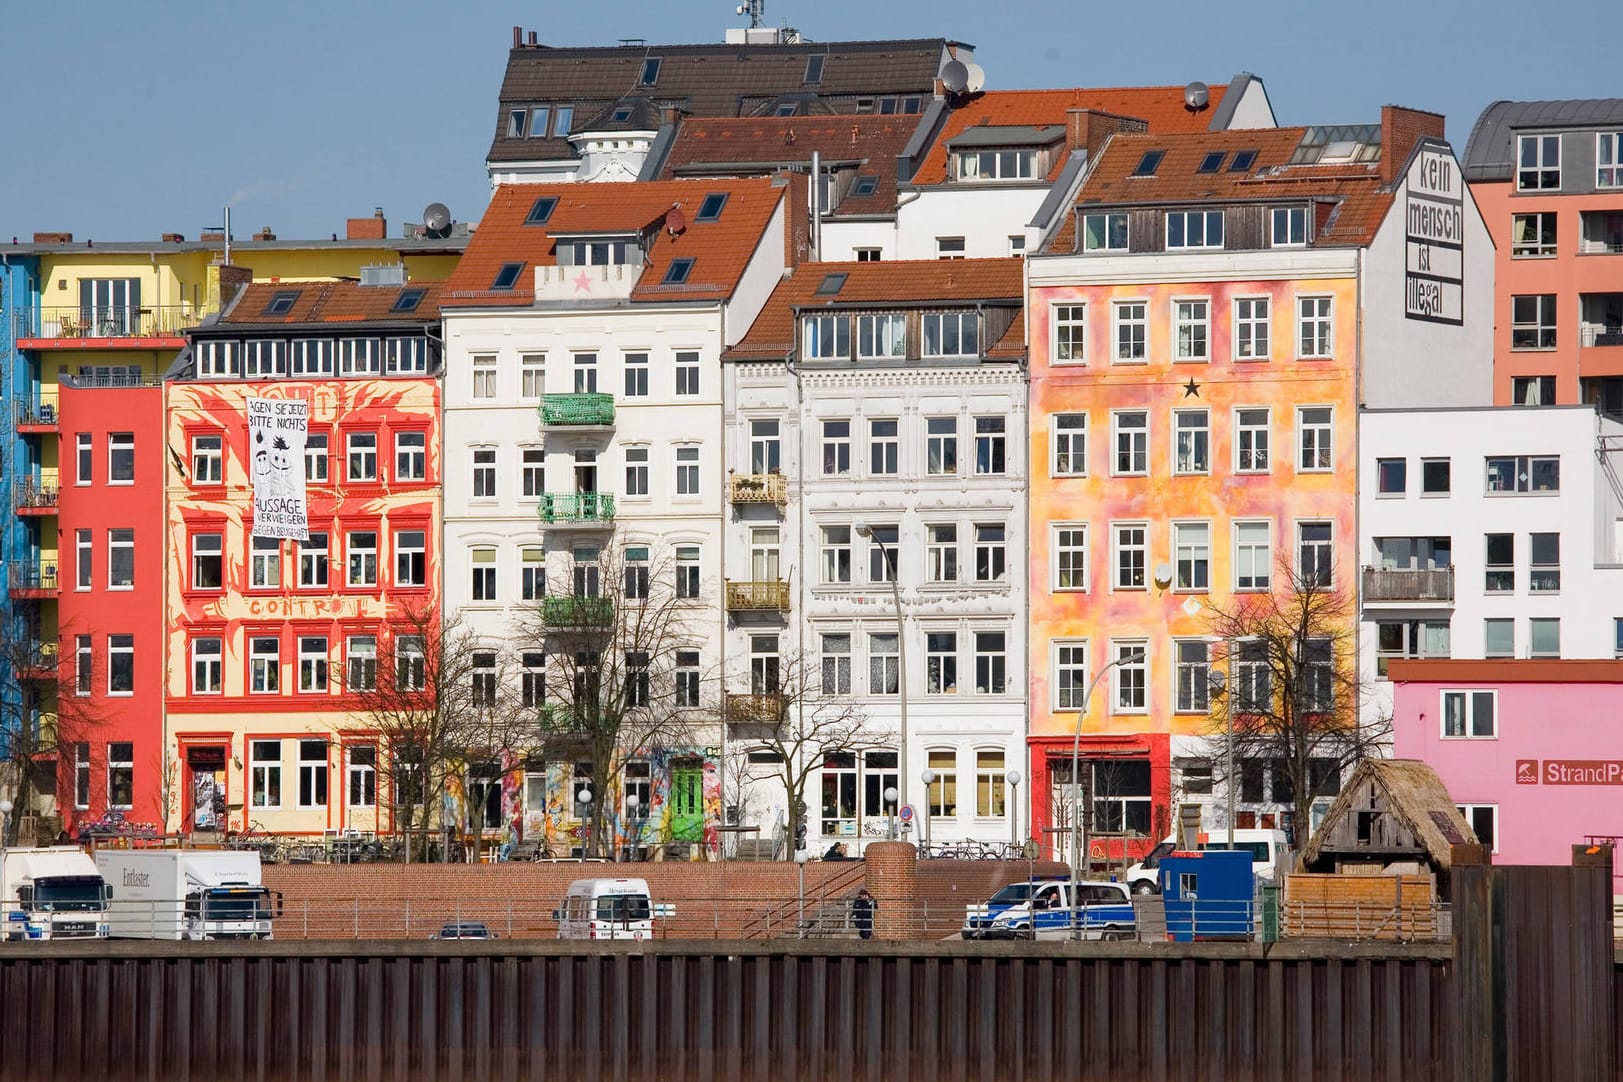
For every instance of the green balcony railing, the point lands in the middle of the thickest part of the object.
(577, 409)
(579, 507)
(570, 611)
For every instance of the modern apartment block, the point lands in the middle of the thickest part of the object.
(1488, 534)
(1202, 333)
(875, 430)
(584, 441)
(1548, 176)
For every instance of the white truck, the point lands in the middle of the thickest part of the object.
(1268, 855)
(53, 892)
(187, 894)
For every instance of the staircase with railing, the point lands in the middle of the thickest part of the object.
(823, 913)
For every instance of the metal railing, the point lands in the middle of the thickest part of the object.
(32, 411)
(566, 610)
(35, 494)
(1600, 334)
(107, 321)
(1315, 919)
(1408, 584)
(33, 576)
(577, 508)
(768, 707)
(41, 657)
(577, 409)
(758, 596)
(759, 488)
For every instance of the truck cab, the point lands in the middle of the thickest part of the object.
(1041, 909)
(608, 909)
(52, 892)
(187, 894)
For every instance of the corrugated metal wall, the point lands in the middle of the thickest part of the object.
(847, 1011)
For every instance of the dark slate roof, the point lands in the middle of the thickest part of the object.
(1007, 135)
(706, 80)
(1490, 153)
(639, 114)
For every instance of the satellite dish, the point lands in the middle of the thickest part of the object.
(437, 220)
(675, 220)
(1196, 95)
(1163, 575)
(955, 76)
(976, 80)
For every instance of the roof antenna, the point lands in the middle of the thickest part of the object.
(756, 10)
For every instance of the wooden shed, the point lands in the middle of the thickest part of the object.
(1393, 816)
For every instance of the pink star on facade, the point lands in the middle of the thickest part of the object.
(583, 283)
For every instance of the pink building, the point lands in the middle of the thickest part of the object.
(1527, 748)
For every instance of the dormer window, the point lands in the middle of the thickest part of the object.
(562, 118)
(1289, 227)
(516, 123)
(1104, 232)
(620, 115)
(1010, 164)
(825, 338)
(1194, 229)
(599, 252)
(950, 334)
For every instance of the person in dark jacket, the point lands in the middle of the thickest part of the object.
(862, 909)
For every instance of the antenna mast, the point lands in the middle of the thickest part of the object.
(756, 9)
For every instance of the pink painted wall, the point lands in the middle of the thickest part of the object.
(1543, 729)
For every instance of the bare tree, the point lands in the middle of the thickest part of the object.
(435, 699)
(1292, 686)
(793, 715)
(614, 639)
(42, 717)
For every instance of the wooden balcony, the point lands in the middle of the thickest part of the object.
(757, 596)
(577, 410)
(584, 509)
(768, 708)
(749, 488)
(1409, 585)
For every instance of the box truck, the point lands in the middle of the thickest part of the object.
(187, 894)
(51, 893)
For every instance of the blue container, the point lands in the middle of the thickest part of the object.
(1208, 894)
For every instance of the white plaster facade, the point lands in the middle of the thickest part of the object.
(973, 730)
(1447, 510)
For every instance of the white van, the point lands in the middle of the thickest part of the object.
(1268, 856)
(608, 909)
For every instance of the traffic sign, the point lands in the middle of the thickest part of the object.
(906, 813)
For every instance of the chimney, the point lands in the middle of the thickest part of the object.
(518, 36)
(53, 238)
(173, 238)
(532, 37)
(1401, 129)
(212, 235)
(265, 234)
(373, 228)
(1088, 129)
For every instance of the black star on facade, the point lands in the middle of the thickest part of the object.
(1191, 389)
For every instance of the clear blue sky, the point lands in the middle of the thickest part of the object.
(128, 120)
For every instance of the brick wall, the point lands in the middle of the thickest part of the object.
(1401, 129)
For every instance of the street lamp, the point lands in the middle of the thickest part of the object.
(1219, 682)
(1014, 806)
(632, 803)
(865, 531)
(928, 778)
(1076, 774)
(800, 922)
(890, 796)
(5, 824)
(584, 797)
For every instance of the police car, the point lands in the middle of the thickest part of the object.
(1039, 909)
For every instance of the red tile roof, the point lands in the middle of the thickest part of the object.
(928, 281)
(1161, 106)
(720, 249)
(332, 302)
(875, 141)
(1355, 187)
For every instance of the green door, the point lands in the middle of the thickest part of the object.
(687, 804)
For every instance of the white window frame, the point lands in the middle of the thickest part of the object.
(1137, 446)
(1294, 220)
(315, 677)
(938, 442)
(825, 337)
(411, 462)
(264, 666)
(879, 462)
(120, 538)
(359, 357)
(1253, 317)
(1198, 685)
(1315, 326)
(482, 574)
(1068, 661)
(960, 322)
(210, 664)
(1468, 813)
(1317, 438)
(1194, 316)
(532, 380)
(834, 540)
(686, 367)
(482, 367)
(881, 336)
(1206, 219)
(836, 449)
(1469, 699)
(941, 551)
(263, 770)
(360, 461)
(1123, 699)
(1068, 333)
(1538, 171)
(1069, 546)
(1530, 243)
(1131, 316)
(1096, 240)
(120, 443)
(1609, 160)
(264, 563)
(1329, 550)
(688, 481)
(1199, 460)
(314, 559)
(410, 558)
(1140, 545)
(637, 472)
(1068, 444)
(208, 462)
(352, 551)
(1192, 556)
(360, 663)
(1246, 440)
(1252, 546)
(312, 357)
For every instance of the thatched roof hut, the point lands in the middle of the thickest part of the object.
(1390, 812)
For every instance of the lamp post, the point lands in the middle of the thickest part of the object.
(5, 824)
(584, 797)
(928, 778)
(885, 552)
(633, 802)
(1076, 780)
(890, 797)
(800, 921)
(1219, 682)
(1014, 806)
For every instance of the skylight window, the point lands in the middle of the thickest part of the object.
(408, 300)
(621, 115)
(710, 209)
(1211, 163)
(865, 185)
(1149, 163)
(678, 272)
(282, 303)
(650, 71)
(830, 285)
(1243, 160)
(787, 108)
(814, 68)
(541, 210)
(507, 277)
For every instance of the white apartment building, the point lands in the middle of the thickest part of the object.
(1488, 533)
(583, 420)
(890, 399)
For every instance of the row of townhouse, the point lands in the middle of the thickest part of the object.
(1234, 353)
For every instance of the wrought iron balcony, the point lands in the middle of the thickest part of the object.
(102, 321)
(759, 488)
(757, 596)
(34, 579)
(577, 508)
(563, 719)
(565, 410)
(768, 707)
(566, 610)
(1408, 584)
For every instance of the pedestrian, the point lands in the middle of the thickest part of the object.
(836, 852)
(862, 908)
